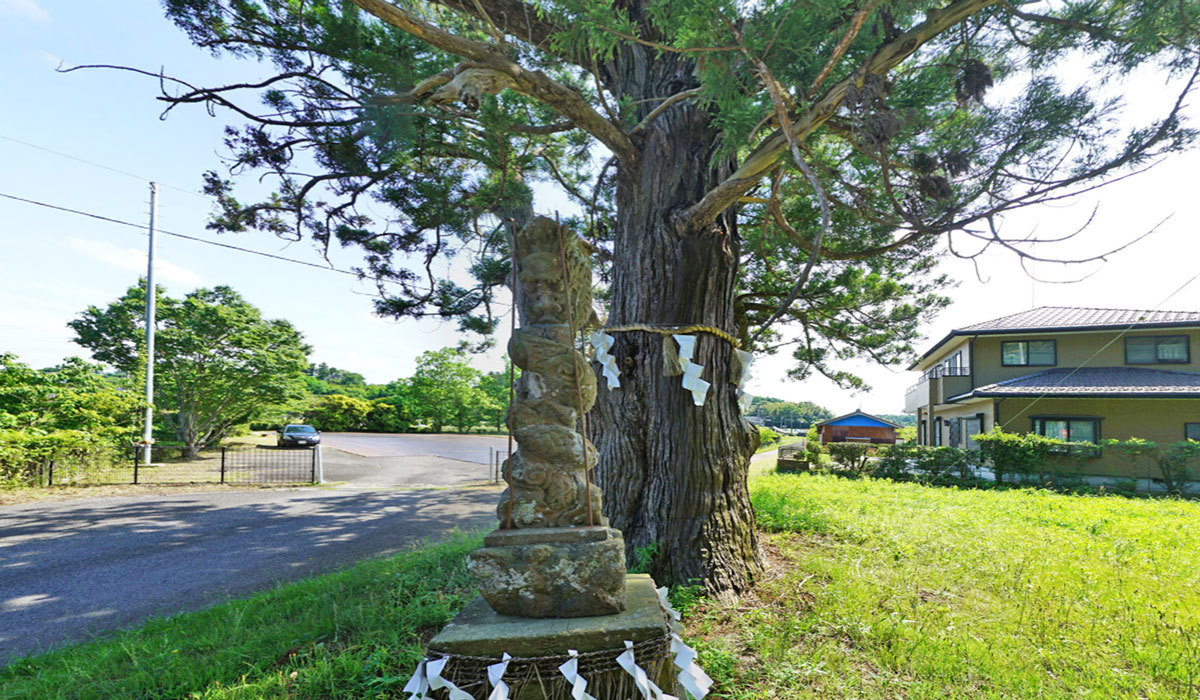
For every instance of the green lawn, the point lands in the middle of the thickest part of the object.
(885, 590)
(876, 590)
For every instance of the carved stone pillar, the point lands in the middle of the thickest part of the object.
(554, 555)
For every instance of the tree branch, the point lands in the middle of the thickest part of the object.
(517, 19)
(564, 100)
(768, 152)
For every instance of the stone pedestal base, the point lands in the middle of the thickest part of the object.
(552, 572)
(479, 631)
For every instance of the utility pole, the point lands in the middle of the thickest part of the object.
(148, 431)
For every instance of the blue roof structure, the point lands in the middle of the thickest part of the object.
(859, 419)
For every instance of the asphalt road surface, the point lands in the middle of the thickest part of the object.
(70, 570)
(373, 459)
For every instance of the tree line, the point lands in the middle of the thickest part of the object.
(444, 391)
(220, 369)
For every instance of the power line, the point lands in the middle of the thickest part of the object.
(184, 236)
(100, 165)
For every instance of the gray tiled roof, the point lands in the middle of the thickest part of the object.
(1077, 317)
(1096, 381)
(1066, 318)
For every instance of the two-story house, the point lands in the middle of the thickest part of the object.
(1077, 374)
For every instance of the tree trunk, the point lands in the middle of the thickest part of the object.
(673, 473)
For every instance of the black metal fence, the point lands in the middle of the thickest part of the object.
(171, 464)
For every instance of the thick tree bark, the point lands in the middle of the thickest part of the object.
(674, 474)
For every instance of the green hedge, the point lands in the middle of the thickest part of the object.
(26, 455)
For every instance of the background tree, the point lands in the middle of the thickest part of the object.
(783, 172)
(75, 395)
(788, 414)
(218, 364)
(394, 408)
(446, 390)
(496, 385)
(323, 380)
(338, 413)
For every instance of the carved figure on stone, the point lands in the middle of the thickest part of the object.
(550, 563)
(547, 474)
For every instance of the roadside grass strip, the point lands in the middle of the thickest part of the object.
(887, 590)
(355, 633)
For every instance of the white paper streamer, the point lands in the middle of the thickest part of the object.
(417, 686)
(570, 671)
(744, 399)
(434, 672)
(691, 371)
(668, 608)
(496, 678)
(687, 348)
(603, 342)
(693, 383)
(641, 680)
(693, 678)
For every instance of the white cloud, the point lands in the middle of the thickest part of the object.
(132, 259)
(24, 9)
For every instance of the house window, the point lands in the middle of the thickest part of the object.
(1191, 431)
(1028, 353)
(1068, 429)
(1157, 349)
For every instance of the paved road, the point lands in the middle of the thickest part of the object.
(467, 448)
(70, 570)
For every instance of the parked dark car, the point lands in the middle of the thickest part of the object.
(298, 436)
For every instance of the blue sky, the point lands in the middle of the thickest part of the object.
(53, 264)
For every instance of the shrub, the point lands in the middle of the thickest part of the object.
(1175, 462)
(1018, 453)
(925, 463)
(812, 447)
(851, 458)
(25, 455)
(767, 437)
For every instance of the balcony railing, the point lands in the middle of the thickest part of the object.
(937, 373)
(940, 371)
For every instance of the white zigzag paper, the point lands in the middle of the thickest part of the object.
(570, 671)
(691, 371)
(434, 671)
(602, 342)
(496, 678)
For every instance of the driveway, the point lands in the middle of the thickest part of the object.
(466, 448)
(408, 461)
(72, 569)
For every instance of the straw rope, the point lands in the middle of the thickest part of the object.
(671, 330)
(470, 672)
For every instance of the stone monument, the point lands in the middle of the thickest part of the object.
(552, 576)
(555, 555)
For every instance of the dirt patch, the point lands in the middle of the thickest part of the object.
(70, 493)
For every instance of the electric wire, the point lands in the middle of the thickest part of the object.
(184, 236)
(109, 168)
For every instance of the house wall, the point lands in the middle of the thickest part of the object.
(1074, 350)
(829, 433)
(1160, 420)
(949, 412)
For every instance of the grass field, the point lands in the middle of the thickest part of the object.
(876, 590)
(886, 590)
